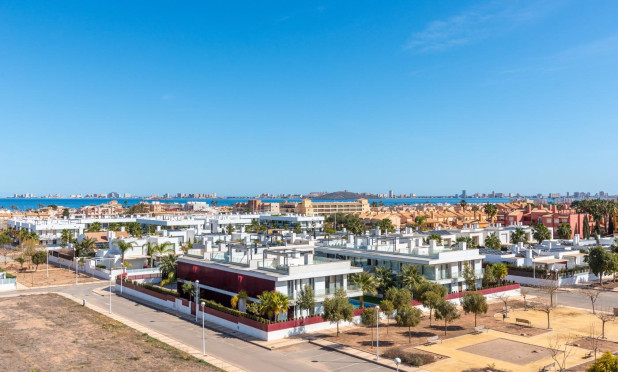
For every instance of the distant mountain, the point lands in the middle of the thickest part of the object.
(345, 195)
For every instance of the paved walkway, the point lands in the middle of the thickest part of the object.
(161, 337)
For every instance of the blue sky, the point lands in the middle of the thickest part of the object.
(246, 97)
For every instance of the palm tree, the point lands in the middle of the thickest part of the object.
(490, 210)
(159, 249)
(124, 247)
(564, 231)
(475, 208)
(273, 304)
(409, 277)
(463, 203)
(493, 242)
(85, 246)
(168, 267)
(384, 278)
(367, 284)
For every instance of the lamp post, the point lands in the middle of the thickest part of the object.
(197, 297)
(377, 332)
(47, 261)
(121, 274)
(75, 255)
(110, 290)
(397, 362)
(203, 334)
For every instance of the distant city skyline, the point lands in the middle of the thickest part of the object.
(245, 98)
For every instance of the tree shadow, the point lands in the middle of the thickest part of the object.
(355, 333)
(449, 328)
(382, 343)
(418, 334)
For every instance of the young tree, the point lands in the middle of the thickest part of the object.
(551, 288)
(431, 298)
(500, 271)
(591, 294)
(605, 316)
(505, 300)
(338, 309)
(564, 231)
(65, 213)
(306, 299)
(540, 232)
(488, 277)
(230, 229)
(469, 276)
(408, 316)
(546, 308)
(21, 261)
(586, 227)
(5, 240)
(388, 309)
(560, 347)
(38, 258)
(474, 303)
(369, 319)
(524, 293)
(367, 284)
(600, 262)
(297, 228)
(447, 311)
(399, 297)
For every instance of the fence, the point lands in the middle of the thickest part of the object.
(8, 284)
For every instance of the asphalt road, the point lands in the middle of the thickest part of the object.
(298, 358)
(575, 298)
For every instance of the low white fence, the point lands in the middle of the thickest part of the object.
(8, 284)
(561, 282)
(100, 272)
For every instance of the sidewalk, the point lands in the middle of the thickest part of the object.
(161, 337)
(360, 354)
(269, 345)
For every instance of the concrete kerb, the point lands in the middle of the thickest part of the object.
(191, 319)
(159, 336)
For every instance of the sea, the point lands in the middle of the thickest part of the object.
(33, 203)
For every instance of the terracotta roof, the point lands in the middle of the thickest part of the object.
(101, 236)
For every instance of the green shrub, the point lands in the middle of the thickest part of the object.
(408, 357)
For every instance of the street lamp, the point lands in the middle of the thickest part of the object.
(197, 297)
(47, 261)
(397, 362)
(110, 290)
(203, 334)
(377, 332)
(75, 255)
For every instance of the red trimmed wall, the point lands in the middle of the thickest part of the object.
(224, 280)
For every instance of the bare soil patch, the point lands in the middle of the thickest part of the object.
(587, 343)
(392, 336)
(51, 333)
(509, 351)
(33, 277)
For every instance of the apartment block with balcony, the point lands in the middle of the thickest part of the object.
(311, 208)
(441, 264)
(223, 274)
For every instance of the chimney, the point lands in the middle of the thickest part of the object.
(576, 239)
(520, 247)
(462, 246)
(433, 243)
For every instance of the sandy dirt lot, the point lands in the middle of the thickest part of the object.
(393, 336)
(52, 333)
(33, 277)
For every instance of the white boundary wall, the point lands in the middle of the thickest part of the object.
(8, 284)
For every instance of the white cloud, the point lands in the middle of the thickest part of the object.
(474, 25)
